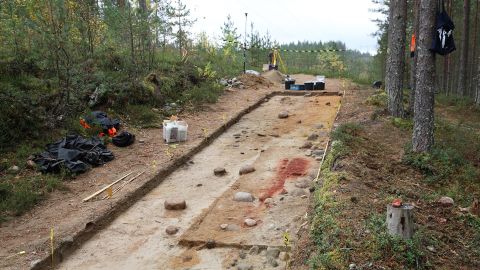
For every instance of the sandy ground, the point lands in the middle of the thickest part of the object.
(25, 239)
(272, 146)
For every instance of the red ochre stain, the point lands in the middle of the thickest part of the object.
(286, 169)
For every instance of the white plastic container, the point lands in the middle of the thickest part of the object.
(175, 131)
(320, 78)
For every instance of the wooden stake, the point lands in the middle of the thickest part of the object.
(103, 189)
(400, 221)
(123, 185)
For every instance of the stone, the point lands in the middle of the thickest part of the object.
(242, 255)
(243, 197)
(303, 183)
(319, 126)
(272, 262)
(272, 252)
(308, 153)
(223, 226)
(284, 256)
(254, 250)
(210, 244)
(313, 137)
(318, 153)
(446, 201)
(219, 171)
(283, 115)
(246, 169)
(171, 230)
(244, 266)
(250, 222)
(141, 140)
(298, 192)
(283, 192)
(14, 169)
(307, 145)
(328, 104)
(352, 266)
(175, 204)
(34, 263)
(431, 249)
(31, 164)
(261, 134)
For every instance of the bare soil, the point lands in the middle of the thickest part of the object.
(271, 145)
(26, 239)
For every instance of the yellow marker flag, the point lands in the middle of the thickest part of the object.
(109, 192)
(51, 244)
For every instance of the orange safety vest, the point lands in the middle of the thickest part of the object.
(412, 45)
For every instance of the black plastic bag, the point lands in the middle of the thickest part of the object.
(443, 42)
(123, 139)
(74, 153)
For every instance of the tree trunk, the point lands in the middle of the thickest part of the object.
(462, 75)
(477, 101)
(474, 58)
(396, 57)
(413, 60)
(424, 95)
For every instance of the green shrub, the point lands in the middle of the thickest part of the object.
(379, 98)
(404, 124)
(385, 245)
(347, 133)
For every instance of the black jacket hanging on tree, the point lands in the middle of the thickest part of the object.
(443, 42)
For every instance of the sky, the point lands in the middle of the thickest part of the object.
(349, 21)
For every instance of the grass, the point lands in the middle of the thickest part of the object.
(325, 229)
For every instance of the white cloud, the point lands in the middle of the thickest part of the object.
(345, 20)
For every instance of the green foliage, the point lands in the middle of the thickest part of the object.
(325, 230)
(379, 98)
(453, 158)
(19, 195)
(347, 133)
(404, 124)
(383, 245)
(143, 116)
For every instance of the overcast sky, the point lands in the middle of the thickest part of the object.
(349, 21)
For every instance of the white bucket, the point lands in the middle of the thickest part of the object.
(175, 131)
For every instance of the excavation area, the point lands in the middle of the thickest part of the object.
(246, 197)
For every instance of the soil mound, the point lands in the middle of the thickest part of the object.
(274, 76)
(253, 81)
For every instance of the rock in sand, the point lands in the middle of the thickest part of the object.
(284, 256)
(175, 204)
(298, 192)
(283, 115)
(171, 230)
(250, 222)
(219, 171)
(243, 197)
(306, 145)
(244, 266)
(246, 169)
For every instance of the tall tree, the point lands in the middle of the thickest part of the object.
(396, 57)
(423, 137)
(180, 19)
(462, 71)
(413, 60)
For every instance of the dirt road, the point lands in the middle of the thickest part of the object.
(283, 173)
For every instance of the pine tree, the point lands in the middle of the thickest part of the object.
(424, 95)
(396, 57)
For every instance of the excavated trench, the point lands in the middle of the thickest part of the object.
(136, 239)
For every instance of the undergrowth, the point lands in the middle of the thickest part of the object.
(325, 228)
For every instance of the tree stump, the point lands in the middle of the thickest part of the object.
(400, 221)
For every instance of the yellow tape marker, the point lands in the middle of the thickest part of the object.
(51, 244)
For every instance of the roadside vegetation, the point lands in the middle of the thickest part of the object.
(135, 60)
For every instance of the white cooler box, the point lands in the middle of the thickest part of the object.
(174, 131)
